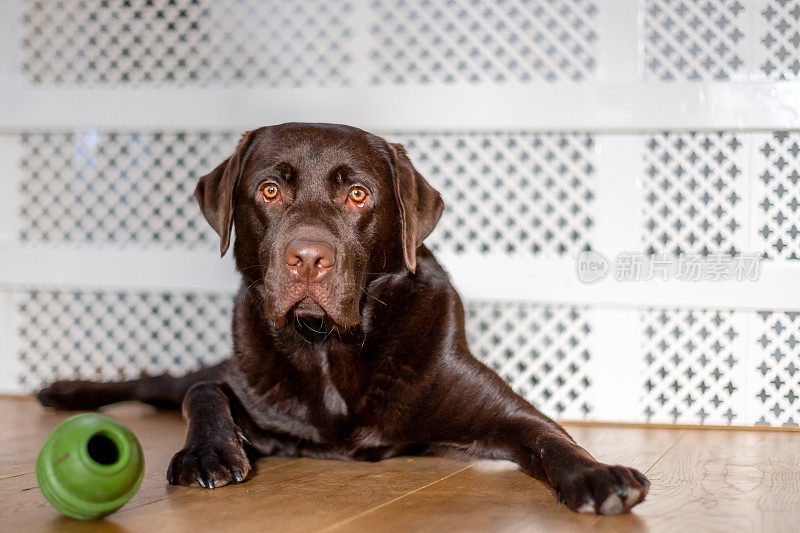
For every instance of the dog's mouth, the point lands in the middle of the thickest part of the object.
(297, 302)
(307, 307)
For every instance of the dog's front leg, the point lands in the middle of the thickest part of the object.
(584, 484)
(214, 453)
(477, 411)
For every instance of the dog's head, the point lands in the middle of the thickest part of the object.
(317, 210)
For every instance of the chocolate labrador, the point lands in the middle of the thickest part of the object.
(348, 338)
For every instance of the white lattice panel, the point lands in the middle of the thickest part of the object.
(778, 50)
(187, 42)
(117, 188)
(693, 40)
(469, 41)
(676, 111)
(543, 351)
(695, 367)
(516, 195)
(116, 335)
(309, 43)
(693, 193)
(776, 369)
(776, 184)
(519, 194)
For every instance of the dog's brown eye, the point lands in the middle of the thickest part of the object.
(270, 191)
(358, 195)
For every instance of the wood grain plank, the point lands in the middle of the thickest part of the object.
(25, 509)
(637, 447)
(161, 434)
(702, 480)
(718, 480)
(303, 495)
(480, 498)
(25, 426)
(496, 496)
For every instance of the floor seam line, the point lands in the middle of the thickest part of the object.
(600, 518)
(666, 452)
(346, 520)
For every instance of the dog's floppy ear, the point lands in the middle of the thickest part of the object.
(420, 205)
(215, 190)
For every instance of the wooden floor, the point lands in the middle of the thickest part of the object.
(708, 480)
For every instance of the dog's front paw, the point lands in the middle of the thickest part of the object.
(210, 465)
(603, 489)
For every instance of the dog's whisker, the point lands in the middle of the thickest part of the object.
(256, 282)
(307, 326)
(258, 265)
(371, 296)
(300, 329)
(328, 334)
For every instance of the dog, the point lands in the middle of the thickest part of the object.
(348, 338)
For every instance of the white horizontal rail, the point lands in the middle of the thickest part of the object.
(8, 345)
(41, 268)
(778, 286)
(592, 107)
(495, 278)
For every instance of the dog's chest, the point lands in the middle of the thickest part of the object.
(314, 398)
(327, 394)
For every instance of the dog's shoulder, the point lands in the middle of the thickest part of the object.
(428, 281)
(424, 301)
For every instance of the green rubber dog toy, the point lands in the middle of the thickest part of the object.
(90, 466)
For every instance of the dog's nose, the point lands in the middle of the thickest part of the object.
(308, 261)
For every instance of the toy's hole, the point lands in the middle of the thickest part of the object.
(103, 450)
